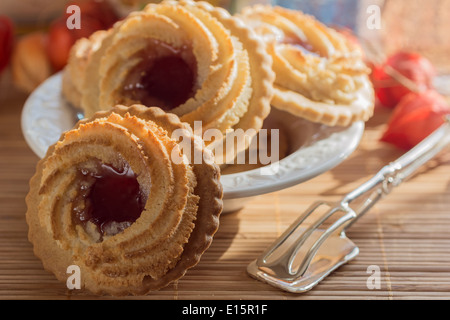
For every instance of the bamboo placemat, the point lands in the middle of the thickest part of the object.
(406, 235)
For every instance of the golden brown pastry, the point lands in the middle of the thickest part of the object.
(118, 197)
(188, 58)
(319, 74)
(75, 70)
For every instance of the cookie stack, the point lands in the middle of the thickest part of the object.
(122, 195)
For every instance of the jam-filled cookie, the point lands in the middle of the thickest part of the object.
(188, 58)
(120, 198)
(320, 76)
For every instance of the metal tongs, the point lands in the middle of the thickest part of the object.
(304, 255)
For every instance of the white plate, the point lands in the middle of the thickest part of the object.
(46, 115)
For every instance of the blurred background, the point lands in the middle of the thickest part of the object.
(411, 25)
(35, 42)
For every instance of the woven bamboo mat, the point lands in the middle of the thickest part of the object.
(406, 235)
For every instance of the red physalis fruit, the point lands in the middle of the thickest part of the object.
(402, 73)
(99, 10)
(95, 15)
(416, 117)
(6, 41)
(59, 44)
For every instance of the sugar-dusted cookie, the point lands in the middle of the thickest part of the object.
(320, 75)
(186, 57)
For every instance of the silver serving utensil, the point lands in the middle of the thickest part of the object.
(304, 255)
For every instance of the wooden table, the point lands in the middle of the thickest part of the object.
(406, 235)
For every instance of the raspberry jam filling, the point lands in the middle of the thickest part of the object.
(164, 78)
(109, 198)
